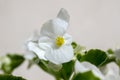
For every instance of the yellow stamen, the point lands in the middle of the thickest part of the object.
(59, 41)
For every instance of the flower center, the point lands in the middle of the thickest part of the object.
(59, 41)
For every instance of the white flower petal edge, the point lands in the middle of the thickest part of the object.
(63, 14)
(68, 39)
(29, 54)
(54, 27)
(57, 26)
(86, 66)
(113, 71)
(34, 48)
(60, 55)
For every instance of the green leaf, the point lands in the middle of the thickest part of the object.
(45, 66)
(95, 56)
(16, 60)
(10, 77)
(64, 71)
(110, 51)
(85, 76)
(79, 56)
(74, 45)
(67, 70)
(109, 59)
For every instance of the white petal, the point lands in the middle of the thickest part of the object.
(54, 27)
(112, 77)
(68, 38)
(86, 66)
(60, 55)
(34, 48)
(80, 68)
(63, 14)
(112, 69)
(45, 42)
(34, 38)
(29, 55)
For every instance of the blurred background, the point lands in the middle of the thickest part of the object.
(93, 23)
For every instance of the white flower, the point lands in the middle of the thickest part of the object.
(111, 70)
(34, 38)
(29, 55)
(86, 66)
(54, 43)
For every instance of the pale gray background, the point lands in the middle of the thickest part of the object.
(94, 24)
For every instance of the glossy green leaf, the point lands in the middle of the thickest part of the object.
(110, 51)
(95, 56)
(85, 76)
(79, 56)
(67, 70)
(74, 45)
(16, 60)
(10, 77)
